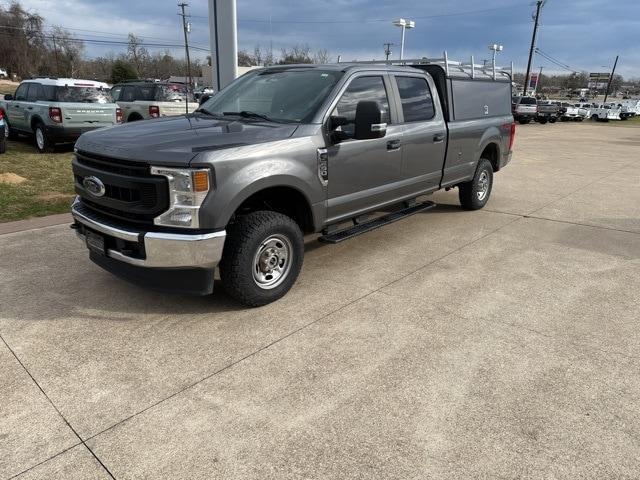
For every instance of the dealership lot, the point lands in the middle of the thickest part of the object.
(452, 344)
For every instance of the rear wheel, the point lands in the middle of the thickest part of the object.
(475, 194)
(43, 143)
(262, 257)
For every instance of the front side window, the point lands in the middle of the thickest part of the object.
(115, 92)
(415, 95)
(285, 95)
(369, 89)
(21, 93)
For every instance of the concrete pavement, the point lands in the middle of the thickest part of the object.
(494, 344)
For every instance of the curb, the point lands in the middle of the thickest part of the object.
(35, 223)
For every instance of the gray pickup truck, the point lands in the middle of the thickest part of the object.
(281, 152)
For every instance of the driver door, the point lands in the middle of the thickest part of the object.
(363, 173)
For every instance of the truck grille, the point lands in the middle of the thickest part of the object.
(131, 193)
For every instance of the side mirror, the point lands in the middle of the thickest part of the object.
(8, 96)
(368, 122)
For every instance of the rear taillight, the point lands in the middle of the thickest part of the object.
(154, 111)
(1, 115)
(512, 135)
(118, 115)
(55, 114)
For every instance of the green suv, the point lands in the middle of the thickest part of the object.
(58, 110)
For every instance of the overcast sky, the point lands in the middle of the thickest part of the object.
(581, 34)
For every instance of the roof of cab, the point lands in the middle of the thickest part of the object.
(342, 67)
(68, 82)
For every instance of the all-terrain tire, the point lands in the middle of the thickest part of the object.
(524, 121)
(246, 246)
(475, 194)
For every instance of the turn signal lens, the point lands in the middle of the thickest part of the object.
(200, 181)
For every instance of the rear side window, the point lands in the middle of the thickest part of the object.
(362, 88)
(417, 103)
(35, 93)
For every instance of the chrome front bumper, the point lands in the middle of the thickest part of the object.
(163, 250)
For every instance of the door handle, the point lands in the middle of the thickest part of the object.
(438, 138)
(393, 144)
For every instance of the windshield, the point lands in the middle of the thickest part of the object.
(83, 95)
(288, 95)
(528, 101)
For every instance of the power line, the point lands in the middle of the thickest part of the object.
(377, 20)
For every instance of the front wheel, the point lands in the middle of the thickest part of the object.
(553, 119)
(524, 121)
(475, 194)
(42, 140)
(542, 121)
(262, 257)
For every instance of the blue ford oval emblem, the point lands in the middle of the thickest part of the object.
(94, 186)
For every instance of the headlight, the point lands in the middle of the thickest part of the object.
(187, 190)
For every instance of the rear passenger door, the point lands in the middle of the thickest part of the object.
(424, 133)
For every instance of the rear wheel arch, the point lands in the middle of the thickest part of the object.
(35, 120)
(491, 152)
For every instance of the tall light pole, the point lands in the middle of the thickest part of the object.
(495, 48)
(404, 24)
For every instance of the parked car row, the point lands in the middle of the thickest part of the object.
(526, 109)
(59, 110)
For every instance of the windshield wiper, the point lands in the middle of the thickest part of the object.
(248, 114)
(207, 112)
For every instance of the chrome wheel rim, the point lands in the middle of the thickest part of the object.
(40, 139)
(483, 185)
(272, 262)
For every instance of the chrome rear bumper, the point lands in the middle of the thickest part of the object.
(162, 250)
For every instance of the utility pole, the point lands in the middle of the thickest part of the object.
(539, 78)
(539, 5)
(186, 47)
(55, 49)
(387, 49)
(606, 94)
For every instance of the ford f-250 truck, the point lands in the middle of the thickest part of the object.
(281, 152)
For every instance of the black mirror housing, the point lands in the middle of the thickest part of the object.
(368, 122)
(8, 96)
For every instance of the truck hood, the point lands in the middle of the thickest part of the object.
(177, 140)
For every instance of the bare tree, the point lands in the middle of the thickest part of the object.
(297, 54)
(321, 56)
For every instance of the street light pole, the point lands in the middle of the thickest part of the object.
(606, 94)
(495, 48)
(404, 24)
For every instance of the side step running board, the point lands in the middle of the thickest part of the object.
(347, 233)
